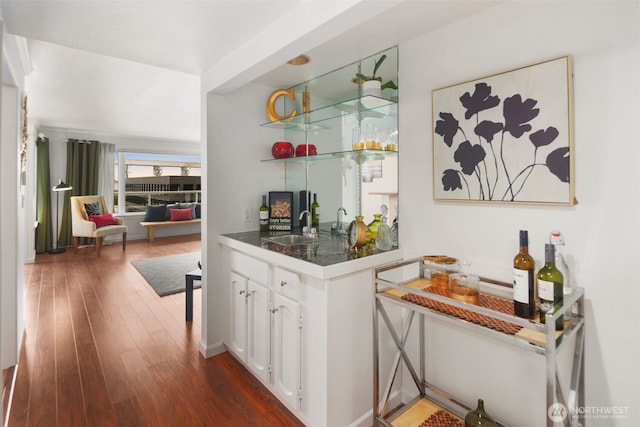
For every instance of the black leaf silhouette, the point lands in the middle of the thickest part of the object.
(487, 129)
(544, 137)
(469, 156)
(479, 101)
(451, 180)
(517, 113)
(447, 127)
(558, 163)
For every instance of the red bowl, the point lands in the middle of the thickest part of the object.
(301, 150)
(282, 150)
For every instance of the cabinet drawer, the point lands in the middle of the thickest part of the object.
(250, 267)
(286, 282)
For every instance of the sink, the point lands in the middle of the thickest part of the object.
(290, 240)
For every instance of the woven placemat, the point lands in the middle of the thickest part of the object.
(488, 301)
(442, 418)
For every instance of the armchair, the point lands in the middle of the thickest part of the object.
(82, 227)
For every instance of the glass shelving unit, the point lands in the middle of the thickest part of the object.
(353, 132)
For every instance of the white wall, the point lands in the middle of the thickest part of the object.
(11, 218)
(12, 277)
(234, 179)
(602, 231)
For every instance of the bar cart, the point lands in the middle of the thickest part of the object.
(407, 285)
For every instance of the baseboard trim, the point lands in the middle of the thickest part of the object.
(8, 386)
(212, 349)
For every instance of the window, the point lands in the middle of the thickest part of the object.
(151, 179)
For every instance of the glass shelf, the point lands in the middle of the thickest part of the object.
(367, 106)
(359, 156)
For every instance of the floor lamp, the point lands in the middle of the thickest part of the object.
(59, 188)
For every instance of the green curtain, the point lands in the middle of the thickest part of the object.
(43, 197)
(83, 159)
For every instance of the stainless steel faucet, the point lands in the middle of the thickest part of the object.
(339, 220)
(302, 215)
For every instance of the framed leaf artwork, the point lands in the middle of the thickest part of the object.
(507, 137)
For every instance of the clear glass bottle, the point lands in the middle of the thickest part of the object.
(394, 230)
(557, 240)
(463, 286)
(264, 215)
(383, 236)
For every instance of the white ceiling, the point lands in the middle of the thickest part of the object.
(186, 36)
(178, 41)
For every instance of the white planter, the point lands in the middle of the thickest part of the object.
(371, 87)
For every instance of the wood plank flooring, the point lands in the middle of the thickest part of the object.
(102, 349)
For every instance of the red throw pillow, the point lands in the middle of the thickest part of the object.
(180, 214)
(102, 220)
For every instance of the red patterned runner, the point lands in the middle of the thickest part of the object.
(442, 418)
(488, 301)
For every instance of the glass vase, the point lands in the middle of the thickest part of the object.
(479, 417)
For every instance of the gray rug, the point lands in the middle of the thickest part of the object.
(166, 274)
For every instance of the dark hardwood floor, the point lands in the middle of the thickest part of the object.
(102, 349)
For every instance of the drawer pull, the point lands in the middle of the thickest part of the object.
(273, 310)
(241, 292)
(282, 283)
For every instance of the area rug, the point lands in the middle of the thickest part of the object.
(166, 274)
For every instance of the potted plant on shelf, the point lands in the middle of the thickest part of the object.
(372, 85)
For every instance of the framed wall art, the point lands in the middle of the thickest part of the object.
(506, 137)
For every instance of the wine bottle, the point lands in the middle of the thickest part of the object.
(264, 215)
(557, 240)
(550, 287)
(524, 299)
(315, 213)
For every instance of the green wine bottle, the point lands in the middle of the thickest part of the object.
(264, 215)
(315, 213)
(524, 300)
(550, 287)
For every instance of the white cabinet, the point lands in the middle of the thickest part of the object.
(258, 330)
(250, 324)
(316, 339)
(266, 325)
(287, 325)
(238, 309)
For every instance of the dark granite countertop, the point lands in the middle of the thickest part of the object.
(327, 250)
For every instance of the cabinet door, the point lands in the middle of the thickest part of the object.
(286, 349)
(239, 316)
(258, 322)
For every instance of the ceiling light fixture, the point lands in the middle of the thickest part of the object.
(299, 60)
